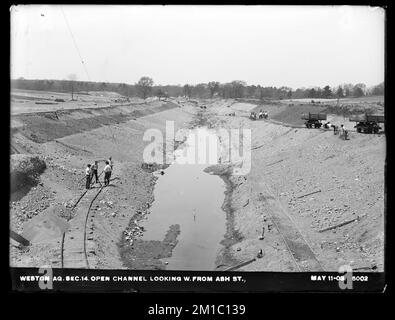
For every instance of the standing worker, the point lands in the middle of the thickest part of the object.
(109, 160)
(107, 173)
(327, 125)
(342, 131)
(94, 169)
(88, 176)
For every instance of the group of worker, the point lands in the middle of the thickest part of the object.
(262, 114)
(91, 172)
(343, 131)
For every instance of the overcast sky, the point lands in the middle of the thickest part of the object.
(267, 45)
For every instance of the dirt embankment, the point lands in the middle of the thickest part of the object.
(301, 182)
(67, 141)
(47, 126)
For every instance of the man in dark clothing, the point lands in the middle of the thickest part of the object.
(94, 168)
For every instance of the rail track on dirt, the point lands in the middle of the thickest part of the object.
(74, 249)
(298, 247)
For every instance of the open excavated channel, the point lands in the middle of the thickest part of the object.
(191, 198)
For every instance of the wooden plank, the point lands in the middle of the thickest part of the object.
(257, 147)
(371, 267)
(339, 225)
(17, 237)
(307, 194)
(274, 163)
(240, 265)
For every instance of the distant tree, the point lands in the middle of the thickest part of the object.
(261, 94)
(213, 87)
(300, 93)
(201, 91)
(225, 90)
(160, 93)
(319, 92)
(327, 92)
(187, 91)
(282, 92)
(339, 92)
(144, 86)
(358, 92)
(172, 90)
(237, 88)
(234, 89)
(348, 89)
(378, 90)
(131, 91)
(312, 93)
(121, 89)
(250, 91)
(103, 86)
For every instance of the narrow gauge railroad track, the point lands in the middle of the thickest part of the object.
(74, 248)
(296, 244)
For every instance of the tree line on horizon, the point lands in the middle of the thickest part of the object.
(145, 88)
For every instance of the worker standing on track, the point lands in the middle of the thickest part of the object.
(110, 162)
(342, 131)
(94, 169)
(88, 176)
(335, 129)
(107, 173)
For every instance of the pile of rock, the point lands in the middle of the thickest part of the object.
(133, 232)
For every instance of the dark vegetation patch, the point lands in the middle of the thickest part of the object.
(25, 171)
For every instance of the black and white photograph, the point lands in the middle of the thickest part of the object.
(228, 139)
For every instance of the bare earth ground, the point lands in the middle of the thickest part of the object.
(290, 162)
(37, 101)
(287, 162)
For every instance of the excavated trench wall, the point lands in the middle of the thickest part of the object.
(47, 126)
